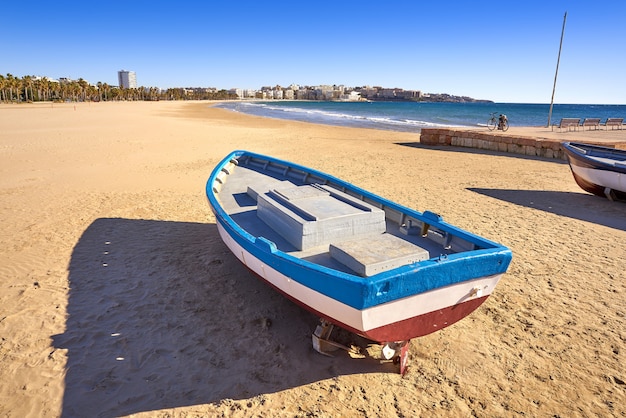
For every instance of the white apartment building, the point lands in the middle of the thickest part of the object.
(127, 79)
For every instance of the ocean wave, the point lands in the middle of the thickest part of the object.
(364, 118)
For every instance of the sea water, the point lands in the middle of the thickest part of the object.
(412, 116)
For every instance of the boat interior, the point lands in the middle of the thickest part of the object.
(317, 220)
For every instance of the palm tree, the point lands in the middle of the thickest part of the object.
(27, 82)
(115, 93)
(81, 89)
(55, 87)
(37, 82)
(10, 83)
(3, 95)
(64, 90)
(106, 89)
(99, 85)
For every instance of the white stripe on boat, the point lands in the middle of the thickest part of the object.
(369, 318)
(605, 178)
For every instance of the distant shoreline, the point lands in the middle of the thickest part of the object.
(413, 116)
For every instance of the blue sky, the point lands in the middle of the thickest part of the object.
(502, 51)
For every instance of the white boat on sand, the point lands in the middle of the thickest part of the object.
(598, 170)
(356, 260)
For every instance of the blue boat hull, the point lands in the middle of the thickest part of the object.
(398, 304)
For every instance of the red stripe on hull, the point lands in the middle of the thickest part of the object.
(589, 186)
(424, 324)
(597, 189)
(402, 330)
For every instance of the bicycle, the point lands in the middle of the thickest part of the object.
(501, 122)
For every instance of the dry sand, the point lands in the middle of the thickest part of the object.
(117, 296)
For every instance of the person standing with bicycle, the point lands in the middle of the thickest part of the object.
(503, 122)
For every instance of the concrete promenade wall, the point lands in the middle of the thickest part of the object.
(494, 141)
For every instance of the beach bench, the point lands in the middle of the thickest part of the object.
(567, 123)
(614, 123)
(591, 123)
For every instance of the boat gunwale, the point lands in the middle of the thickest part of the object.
(469, 262)
(578, 153)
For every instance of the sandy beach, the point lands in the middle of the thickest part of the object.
(118, 297)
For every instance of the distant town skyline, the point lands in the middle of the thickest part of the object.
(43, 88)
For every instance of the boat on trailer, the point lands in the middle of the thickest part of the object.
(598, 170)
(356, 260)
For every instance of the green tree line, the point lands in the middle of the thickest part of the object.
(37, 89)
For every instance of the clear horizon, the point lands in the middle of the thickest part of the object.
(502, 52)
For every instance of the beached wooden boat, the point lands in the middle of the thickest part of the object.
(357, 260)
(598, 170)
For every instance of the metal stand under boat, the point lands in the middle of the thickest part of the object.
(609, 193)
(398, 351)
(322, 342)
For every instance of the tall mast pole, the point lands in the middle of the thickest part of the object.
(557, 69)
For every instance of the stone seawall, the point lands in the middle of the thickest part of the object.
(494, 141)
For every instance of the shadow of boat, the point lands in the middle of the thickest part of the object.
(161, 315)
(581, 206)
